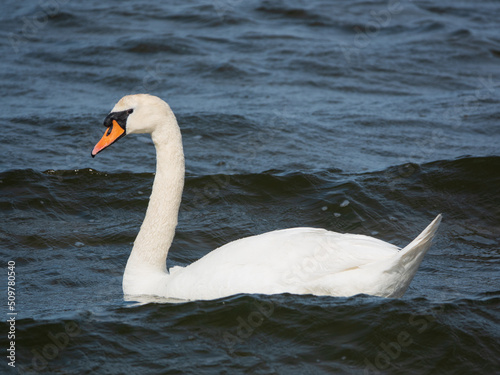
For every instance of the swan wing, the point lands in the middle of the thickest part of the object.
(295, 260)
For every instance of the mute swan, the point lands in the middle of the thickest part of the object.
(297, 260)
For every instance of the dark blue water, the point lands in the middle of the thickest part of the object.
(368, 117)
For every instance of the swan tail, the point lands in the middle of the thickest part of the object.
(407, 261)
(419, 246)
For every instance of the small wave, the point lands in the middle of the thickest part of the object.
(469, 183)
(301, 14)
(167, 45)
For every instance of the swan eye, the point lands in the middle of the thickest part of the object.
(120, 117)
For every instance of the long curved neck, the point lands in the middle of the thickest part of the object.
(151, 246)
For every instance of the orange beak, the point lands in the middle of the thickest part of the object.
(112, 134)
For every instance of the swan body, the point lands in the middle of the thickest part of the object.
(297, 260)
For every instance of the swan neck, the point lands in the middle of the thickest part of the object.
(158, 228)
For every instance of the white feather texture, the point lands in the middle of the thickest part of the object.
(296, 260)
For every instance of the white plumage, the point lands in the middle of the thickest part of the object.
(296, 260)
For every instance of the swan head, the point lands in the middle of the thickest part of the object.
(140, 113)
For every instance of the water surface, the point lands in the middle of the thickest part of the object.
(363, 117)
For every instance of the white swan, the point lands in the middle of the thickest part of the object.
(297, 260)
